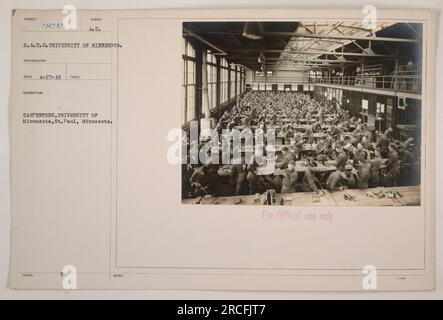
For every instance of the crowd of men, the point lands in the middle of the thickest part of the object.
(322, 147)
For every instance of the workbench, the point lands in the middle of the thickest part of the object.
(410, 196)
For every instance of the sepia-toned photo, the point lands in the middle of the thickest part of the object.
(302, 113)
(269, 150)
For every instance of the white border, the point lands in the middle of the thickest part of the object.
(114, 4)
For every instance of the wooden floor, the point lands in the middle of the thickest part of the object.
(407, 196)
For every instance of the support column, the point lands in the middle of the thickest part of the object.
(342, 76)
(198, 82)
(207, 122)
(229, 83)
(218, 86)
(396, 71)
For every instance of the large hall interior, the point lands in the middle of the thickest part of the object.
(344, 100)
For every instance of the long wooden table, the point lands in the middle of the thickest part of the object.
(410, 196)
(300, 167)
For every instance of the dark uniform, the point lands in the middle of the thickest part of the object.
(283, 159)
(334, 179)
(239, 173)
(309, 182)
(187, 172)
(392, 169)
(364, 175)
(351, 180)
(375, 171)
(252, 177)
(359, 155)
(203, 181)
(383, 145)
(289, 181)
(342, 158)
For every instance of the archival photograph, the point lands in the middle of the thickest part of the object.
(302, 113)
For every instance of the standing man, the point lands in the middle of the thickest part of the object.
(342, 157)
(383, 143)
(392, 167)
(376, 161)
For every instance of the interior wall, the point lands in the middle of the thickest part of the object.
(281, 76)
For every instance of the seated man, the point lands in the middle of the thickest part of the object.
(284, 158)
(351, 178)
(187, 172)
(309, 179)
(288, 133)
(406, 156)
(359, 154)
(407, 172)
(363, 174)
(203, 181)
(251, 176)
(309, 135)
(273, 119)
(316, 127)
(239, 173)
(322, 150)
(408, 143)
(290, 178)
(365, 142)
(335, 180)
(308, 116)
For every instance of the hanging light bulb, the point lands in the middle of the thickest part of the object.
(261, 58)
(253, 30)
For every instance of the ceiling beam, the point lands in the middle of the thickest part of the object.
(192, 34)
(254, 60)
(337, 37)
(355, 54)
(323, 40)
(359, 46)
(315, 42)
(356, 28)
(418, 35)
(306, 28)
(299, 66)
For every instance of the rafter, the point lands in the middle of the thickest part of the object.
(319, 36)
(252, 59)
(313, 52)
